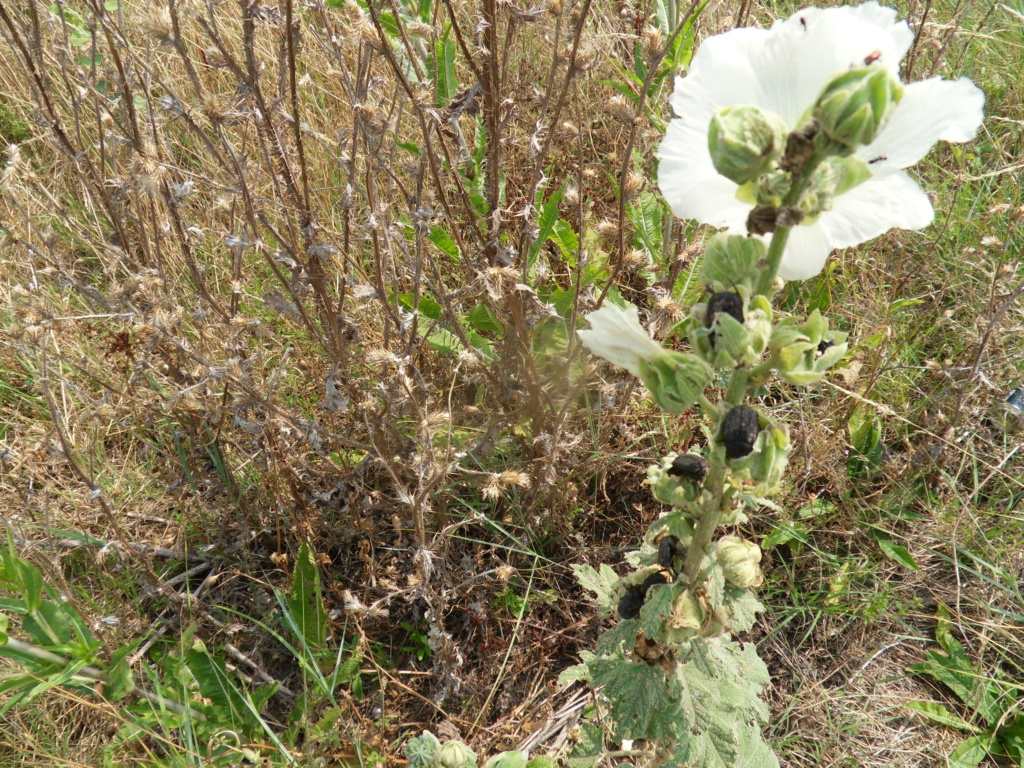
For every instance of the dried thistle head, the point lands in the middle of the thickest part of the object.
(157, 23)
(653, 42)
(608, 230)
(419, 29)
(621, 108)
(633, 185)
(635, 259)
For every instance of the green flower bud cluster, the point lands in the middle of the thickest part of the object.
(675, 380)
(728, 334)
(757, 448)
(744, 141)
(803, 352)
(854, 108)
(426, 751)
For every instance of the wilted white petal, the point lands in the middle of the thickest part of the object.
(616, 335)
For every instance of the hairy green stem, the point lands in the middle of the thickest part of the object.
(781, 234)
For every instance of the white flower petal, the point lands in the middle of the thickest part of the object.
(806, 50)
(807, 250)
(930, 110)
(875, 207)
(691, 185)
(721, 73)
(616, 335)
(864, 213)
(783, 70)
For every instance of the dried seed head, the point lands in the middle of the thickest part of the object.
(653, 42)
(689, 467)
(419, 29)
(633, 185)
(724, 301)
(621, 109)
(572, 196)
(608, 229)
(739, 431)
(555, 7)
(634, 259)
(158, 24)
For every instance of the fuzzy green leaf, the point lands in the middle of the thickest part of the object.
(657, 608)
(644, 702)
(969, 753)
(306, 601)
(601, 583)
(939, 714)
(898, 553)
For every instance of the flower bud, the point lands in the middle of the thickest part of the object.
(739, 561)
(513, 759)
(455, 754)
(804, 352)
(739, 431)
(731, 261)
(676, 480)
(421, 751)
(676, 380)
(766, 462)
(855, 106)
(725, 341)
(744, 141)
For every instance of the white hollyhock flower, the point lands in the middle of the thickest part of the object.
(616, 335)
(783, 70)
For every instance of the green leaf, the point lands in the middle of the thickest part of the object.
(601, 583)
(588, 748)
(657, 608)
(743, 608)
(785, 533)
(444, 71)
(646, 216)
(427, 306)
(120, 675)
(939, 714)
(306, 601)
(644, 701)
(568, 242)
(943, 632)
(970, 752)
(444, 241)
(722, 682)
(545, 222)
(444, 341)
(228, 706)
(866, 438)
(898, 553)
(483, 319)
(576, 672)
(31, 582)
(957, 673)
(48, 626)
